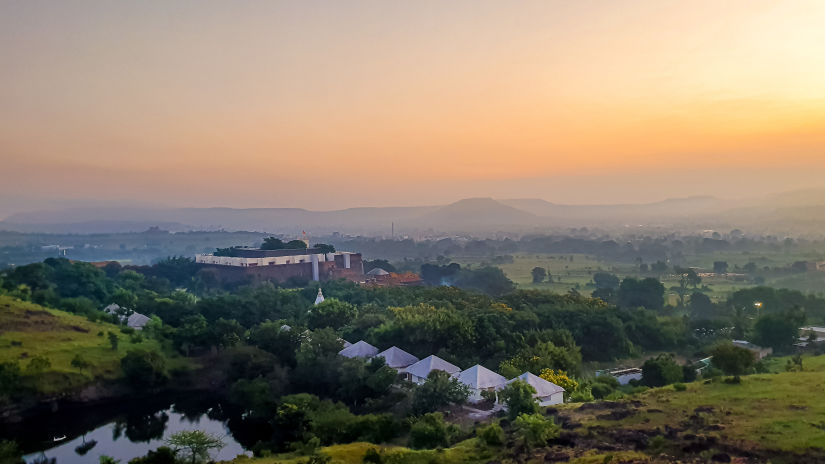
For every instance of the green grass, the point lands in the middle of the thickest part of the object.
(28, 330)
(777, 412)
(467, 451)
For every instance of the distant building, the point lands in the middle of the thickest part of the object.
(281, 265)
(757, 350)
(134, 320)
(624, 376)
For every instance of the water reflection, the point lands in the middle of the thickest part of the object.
(128, 432)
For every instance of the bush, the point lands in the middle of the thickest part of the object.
(582, 395)
(438, 390)
(491, 435)
(162, 455)
(429, 431)
(660, 371)
(534, 430)
(373, 456)
(518, 396)
(679, 387)
(601, 390)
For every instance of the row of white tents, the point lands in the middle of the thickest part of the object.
(477, 378)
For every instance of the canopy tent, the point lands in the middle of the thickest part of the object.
(359, 349)
(419, 371)
(397, 358)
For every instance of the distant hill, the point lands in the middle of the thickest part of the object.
(780, 213)
(475, 213)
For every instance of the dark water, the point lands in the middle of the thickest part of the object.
(127, 430)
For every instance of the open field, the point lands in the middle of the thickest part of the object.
(28, 330)
(576, 271)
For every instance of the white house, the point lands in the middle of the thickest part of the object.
(134, 320)
(757, 350)
(419, 371)
(397, 358)
(359, 349)
(479, 379)
(547, 393)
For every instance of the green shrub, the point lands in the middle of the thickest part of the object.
(601, 390)
(492, 435)
(535, 430)
(679, 387)
(429, 431)
(373, 456)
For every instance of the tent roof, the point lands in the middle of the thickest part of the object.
(543, 387)
(359, 349)
(396, 357)
(137, 320)
(479, 377)
(431, 363)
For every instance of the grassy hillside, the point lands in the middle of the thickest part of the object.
(28, 330)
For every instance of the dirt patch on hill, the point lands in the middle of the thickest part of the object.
(35, 321)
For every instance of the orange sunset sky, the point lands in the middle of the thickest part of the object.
(364, 103)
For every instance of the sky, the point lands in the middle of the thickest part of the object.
(327, 105)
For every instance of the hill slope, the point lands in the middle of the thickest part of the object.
(28, 330)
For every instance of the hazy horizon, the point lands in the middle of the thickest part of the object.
(334, 105)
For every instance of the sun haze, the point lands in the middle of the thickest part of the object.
(337, 104)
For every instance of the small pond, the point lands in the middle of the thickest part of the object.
(125, 430)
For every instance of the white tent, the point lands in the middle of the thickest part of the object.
(419, 371)
(359, 349)
(319, 298)
(397, 358)
(137, 321)
(478, 379)
(547, 393)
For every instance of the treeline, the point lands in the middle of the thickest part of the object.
(625, 248)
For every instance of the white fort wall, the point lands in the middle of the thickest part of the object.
(269, 261)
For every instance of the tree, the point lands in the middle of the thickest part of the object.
(331, 313)
(542, 355)
(272, 243)
(194, 444)
(539, 274)
(38, 364)
(732, 360)
(646, 293)
(660, 371)
(606, 280)
(489, 280)
(80, 363)
(701, 307)
(295, 245)
(561, 379)
(534, 430)
(108, 460)
(518, 396)
(324, 247)
(144, 368)
(429, 431)
(439, 390)
(10, 453)
(162, 455)
(113, 340)
(778, 331)
(720, 267)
